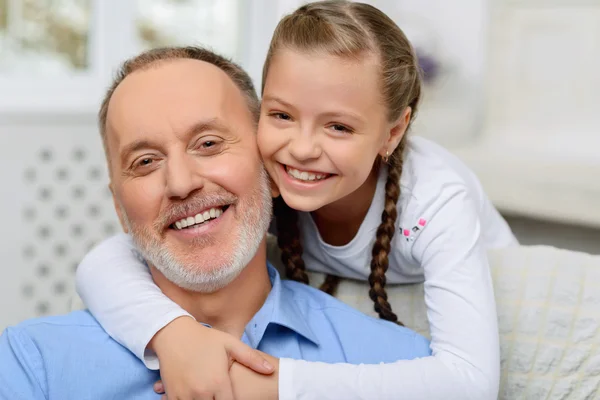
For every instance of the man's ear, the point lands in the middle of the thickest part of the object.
(396, 133)
(118, 209)
(274, 189)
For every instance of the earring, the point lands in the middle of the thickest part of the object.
(387, 157)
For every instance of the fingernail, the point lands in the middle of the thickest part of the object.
(267, 365)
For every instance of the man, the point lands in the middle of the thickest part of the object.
(178, 128)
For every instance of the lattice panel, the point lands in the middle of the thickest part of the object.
(59, 206)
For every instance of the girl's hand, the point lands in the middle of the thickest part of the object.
(247, 384)
(195, 361)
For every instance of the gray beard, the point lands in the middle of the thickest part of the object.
(255, 219)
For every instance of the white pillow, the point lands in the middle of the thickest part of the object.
(548, 303)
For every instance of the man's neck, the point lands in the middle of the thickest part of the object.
(231, 308)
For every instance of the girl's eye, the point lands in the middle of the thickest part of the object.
(340, 128)
(282, 116)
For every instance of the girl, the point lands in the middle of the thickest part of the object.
(359, 199)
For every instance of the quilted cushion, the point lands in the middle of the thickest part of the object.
(548, 303)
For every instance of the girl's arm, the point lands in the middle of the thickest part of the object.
(114, 282)
(462, 315)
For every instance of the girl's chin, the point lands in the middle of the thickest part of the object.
(301, 203)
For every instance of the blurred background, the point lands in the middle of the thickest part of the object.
(512, 87)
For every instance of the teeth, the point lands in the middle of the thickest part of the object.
(305, 176)
(199, 218)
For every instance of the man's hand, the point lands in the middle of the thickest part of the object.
(248, 385)
(195, 361)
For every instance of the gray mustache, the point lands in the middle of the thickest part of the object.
(193, 204)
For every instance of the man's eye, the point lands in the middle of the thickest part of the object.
(209, 146)
(144, 162)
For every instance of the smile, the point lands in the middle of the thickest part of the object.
(305, 176)
(199, 219)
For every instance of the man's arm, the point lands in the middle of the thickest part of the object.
(249, 385)
(20, 366)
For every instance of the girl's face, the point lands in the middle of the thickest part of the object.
(322, 125)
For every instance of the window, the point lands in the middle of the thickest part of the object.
(44, 37)
(59, 55)
(212, 23)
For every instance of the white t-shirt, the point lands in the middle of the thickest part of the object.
(434, 186)
(445, 225)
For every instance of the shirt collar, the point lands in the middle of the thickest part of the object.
(281, 309)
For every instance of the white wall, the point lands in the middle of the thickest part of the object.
(537, 150)
(456, 32)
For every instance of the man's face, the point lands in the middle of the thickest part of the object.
(186, 175)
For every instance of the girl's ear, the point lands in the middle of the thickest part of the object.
(396, 132)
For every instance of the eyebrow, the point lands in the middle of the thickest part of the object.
(199, 127)
(278, 100)
(331, 114)
(344, 114)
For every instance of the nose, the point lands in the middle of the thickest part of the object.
(305, 146)
(183, 177)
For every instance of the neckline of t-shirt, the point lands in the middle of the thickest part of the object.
(362, 238)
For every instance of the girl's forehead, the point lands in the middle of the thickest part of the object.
(317, 78)
(321, 70)
(323, 59)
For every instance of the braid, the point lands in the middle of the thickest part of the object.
(385, 233)
(288, 239)
(330, 284)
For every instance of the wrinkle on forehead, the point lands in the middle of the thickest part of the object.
(171, 97)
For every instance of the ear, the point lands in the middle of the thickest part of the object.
(118, 209)
(396, 132)
(274, 189)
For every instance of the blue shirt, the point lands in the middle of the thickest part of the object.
(72, 357)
